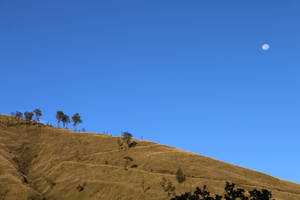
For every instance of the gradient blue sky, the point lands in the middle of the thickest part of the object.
(190, 74)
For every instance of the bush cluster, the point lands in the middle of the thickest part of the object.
(231, 193)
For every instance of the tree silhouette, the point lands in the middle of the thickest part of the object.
(19, 115)
(127, 136)
(76, 120)
(38, 114)
(28, 115)
(199, 194)
(127, 140)
(234, 194)
(59, 117)
(65, 120)
(260, 195)
(231, 193)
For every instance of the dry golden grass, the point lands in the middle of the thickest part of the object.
(40, 161)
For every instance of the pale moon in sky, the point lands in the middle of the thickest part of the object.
(265, 47)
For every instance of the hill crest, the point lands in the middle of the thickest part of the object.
(39, 161)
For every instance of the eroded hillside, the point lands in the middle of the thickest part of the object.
(43, 162)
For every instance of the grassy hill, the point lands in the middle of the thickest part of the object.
(38, 161)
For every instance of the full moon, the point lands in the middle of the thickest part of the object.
(265, 47)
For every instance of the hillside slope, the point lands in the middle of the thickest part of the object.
(43, 162)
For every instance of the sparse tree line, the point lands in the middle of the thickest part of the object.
(60, 116)
(65, 119)
(28, 116)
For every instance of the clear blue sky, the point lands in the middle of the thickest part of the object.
(190, 74)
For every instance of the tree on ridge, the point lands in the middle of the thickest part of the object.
(65, 120)
(28, 115)
(127, 137)
(59, 117)
(19, 115)
(38, 114)
(76, 120)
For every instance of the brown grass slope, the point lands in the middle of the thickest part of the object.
(38, 161)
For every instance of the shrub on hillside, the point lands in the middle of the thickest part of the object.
(132, 144)
(125, 142)
(134, 166)
(180, 176)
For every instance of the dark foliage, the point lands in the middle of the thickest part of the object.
(127, 136)
(234, 194)
(134, 166)
(125, 143)
(25, 180)
(28, 115)
(132, 144)
(19, 115)
(231, 193)
(199, 194)
(38, 114)
(65, 120)
(180, 176)
(260, 195)
(59, 116)
(76, 119)
(80, 188)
